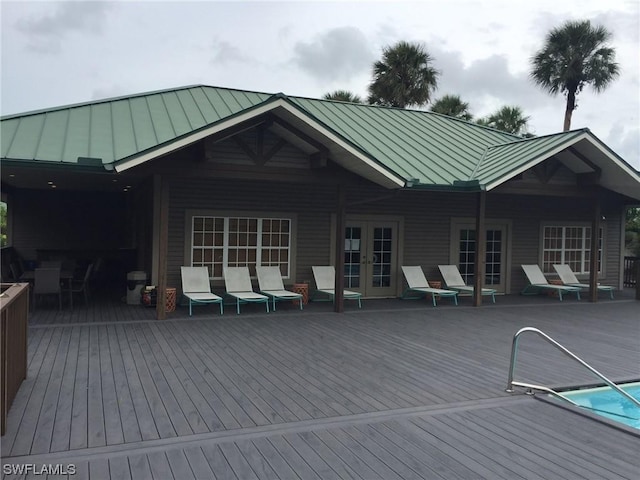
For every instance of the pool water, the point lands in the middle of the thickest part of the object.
(606, 402)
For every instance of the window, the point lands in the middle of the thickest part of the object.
(218, 242)
(569, 245)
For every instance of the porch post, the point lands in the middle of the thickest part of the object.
(481, 248)
(339, 260)
(595, 241)
(163, 247)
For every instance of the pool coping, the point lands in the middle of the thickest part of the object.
(586, 412)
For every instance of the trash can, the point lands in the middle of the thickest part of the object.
(135, 282)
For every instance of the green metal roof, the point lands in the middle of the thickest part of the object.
(118, 128)
(424, 148)
(501, 160)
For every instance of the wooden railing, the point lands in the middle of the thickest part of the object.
(630, 276)
(14, 313)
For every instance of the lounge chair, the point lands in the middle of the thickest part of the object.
(538, 283)
(196, 287)
(567, 277)
(417, 282)
(270, 283)
(454, 281)
(238, 284)
(325, 277)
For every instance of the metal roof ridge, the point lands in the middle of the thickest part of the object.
(522, 140)
(120, 98)
(477, 167)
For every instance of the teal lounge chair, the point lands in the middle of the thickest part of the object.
(567, 277)
(417, 282)
(454, 281)
(538, 283)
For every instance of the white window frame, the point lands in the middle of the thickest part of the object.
(226, 246)
(584, 260)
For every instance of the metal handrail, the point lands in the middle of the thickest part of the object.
(512, 365)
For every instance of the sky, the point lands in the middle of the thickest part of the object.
(61, 53)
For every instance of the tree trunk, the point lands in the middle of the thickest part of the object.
(571, 105)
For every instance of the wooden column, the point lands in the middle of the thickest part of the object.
(481, 248)
(595, 241)
(339, 260)
(163, 248)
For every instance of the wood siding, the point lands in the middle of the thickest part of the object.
(427, 219)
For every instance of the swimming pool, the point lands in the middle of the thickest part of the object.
(608, 403)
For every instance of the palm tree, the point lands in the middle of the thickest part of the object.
(509, 119)
(342, 96)
(404, 77)
(453, 106)
(574, 55)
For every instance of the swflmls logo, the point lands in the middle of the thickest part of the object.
(43, 469)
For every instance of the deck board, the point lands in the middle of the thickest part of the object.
(78, 434)
(62, 426)
(399, 391)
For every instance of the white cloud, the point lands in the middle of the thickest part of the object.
(336, 54)
(309, 48)
(47, 31)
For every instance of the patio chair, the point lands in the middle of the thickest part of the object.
(270, 283)
(538, 283)
(81, 287)
(454, 281)
(417, 282)
(567, 277)
(325, 278)
(238, 284)
(196, 287)
(46, 281)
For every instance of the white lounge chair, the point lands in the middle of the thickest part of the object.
(539, 283)
(569, 278)
(238, 284)
(325, 277)
(454, 281)
(270, 283)
(196, 287)
(417, 282)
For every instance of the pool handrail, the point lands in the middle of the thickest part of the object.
(512, 364)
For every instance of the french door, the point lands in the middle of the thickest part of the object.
(370, 257)
(463, 253)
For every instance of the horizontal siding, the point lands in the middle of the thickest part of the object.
(427, 220)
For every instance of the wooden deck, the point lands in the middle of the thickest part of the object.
(396, 390)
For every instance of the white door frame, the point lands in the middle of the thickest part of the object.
(490, 223)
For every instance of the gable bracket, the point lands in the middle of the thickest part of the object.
(546, 170)
(246, 149)
(300, 134)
